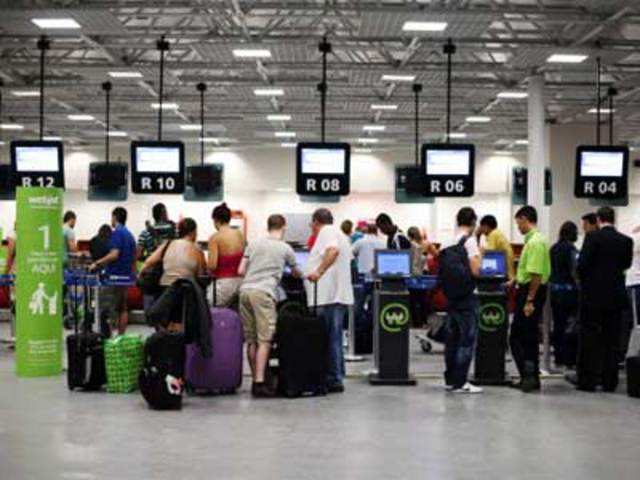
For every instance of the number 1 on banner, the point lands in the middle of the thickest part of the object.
(46, 233)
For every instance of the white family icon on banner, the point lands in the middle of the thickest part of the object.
(38, 298)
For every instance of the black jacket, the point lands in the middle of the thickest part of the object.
(197, 321)
(605, 256)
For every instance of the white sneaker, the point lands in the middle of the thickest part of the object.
(448, 387)
(467, 388)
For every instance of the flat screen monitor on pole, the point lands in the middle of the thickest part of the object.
(157, 167)
(392, 264)
(448, 170)
(602, 172)
(37, 163)
(323, 169)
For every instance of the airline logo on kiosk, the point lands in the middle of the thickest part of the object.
(492, 317)
(394, 317)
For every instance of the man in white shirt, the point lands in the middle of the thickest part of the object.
(463, 313)
(364, 249)
(329, 267)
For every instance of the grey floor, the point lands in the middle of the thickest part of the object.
(49, 433)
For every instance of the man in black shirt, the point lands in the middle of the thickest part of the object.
(396, 239)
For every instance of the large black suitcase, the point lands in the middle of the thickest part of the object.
(302, 346)
(633, 376)
(85, 350)
(162, 376)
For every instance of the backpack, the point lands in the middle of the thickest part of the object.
(455, 272)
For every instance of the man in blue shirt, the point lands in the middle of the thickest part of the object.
(118, 262)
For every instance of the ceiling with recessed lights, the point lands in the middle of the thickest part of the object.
(261, 64)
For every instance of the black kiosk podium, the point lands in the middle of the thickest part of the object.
(493, 324)
(392, 318)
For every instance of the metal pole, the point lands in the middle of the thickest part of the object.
(598, 100)
(325, 48)
(449, 50)
(417, 88)
(612, 92)
(202, 87)
(163, 46)
(106, 86)
(43, 45)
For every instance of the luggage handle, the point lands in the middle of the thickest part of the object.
(315, 298)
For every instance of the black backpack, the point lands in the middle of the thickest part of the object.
(455, 272)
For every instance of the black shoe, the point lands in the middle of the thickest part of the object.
(585, 389)
(529, 385)
(515, 385)
(338, 388)
(572, 378)
(261, 390)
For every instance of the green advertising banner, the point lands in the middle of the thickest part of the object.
(39, 282)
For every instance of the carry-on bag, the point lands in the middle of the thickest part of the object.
(633, 376)
(162, 377)
(85, 348)
(302, 346)
(123, 358)
(222, 372)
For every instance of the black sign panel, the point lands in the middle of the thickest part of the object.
(37, 163)
(449, 170)
(323, 169)
(157, 167)
(602, 172)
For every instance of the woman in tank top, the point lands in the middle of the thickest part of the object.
(226, 248)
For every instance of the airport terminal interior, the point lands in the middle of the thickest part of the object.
(319, 239)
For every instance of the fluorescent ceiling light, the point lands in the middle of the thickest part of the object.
(215, 140)
(284, 190)
(603, 111)
(252, 53)
(56, 23)
(125, 74)
(566, 58)
(478, 119)
(268, 92)
(279, 118)
(191, 127)
(384, 107)
(81, 117)
(288, 145)
(165, 106)
(25, 93)
(503, 153)
(457, 135)
(368, 140)
(398, 78)
(513, 95)
(11, 126)
(285, 134)
(116, 133)
(51, 138)
(521, 142)
(374, 128)
(2, 143)
(362, 150)
(413, 26)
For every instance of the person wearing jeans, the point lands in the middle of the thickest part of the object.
(329, 267)
(460, 342)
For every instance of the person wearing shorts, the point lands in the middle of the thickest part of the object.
(262, 266)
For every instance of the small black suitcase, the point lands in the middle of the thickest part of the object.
(164, 357)
(85, 352)
(633, 376)
(302, 346)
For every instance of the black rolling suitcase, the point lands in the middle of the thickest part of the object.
(85, 350)
(302, 346)
(162, 377)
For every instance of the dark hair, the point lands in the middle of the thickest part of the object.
(121, 215)
(568, 232)
(221, 213)
(104, 231)
(323, 216)
(529, 213)
(466, 217)
(68, 215)
(606, 215)
(489, 221)
(347, 227)
(372, 229)
(159, 212)
(414, 234)
(383, 219)
(276, 222)
(590, 218)
(186, 226)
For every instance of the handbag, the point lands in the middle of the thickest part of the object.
(149, 280)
